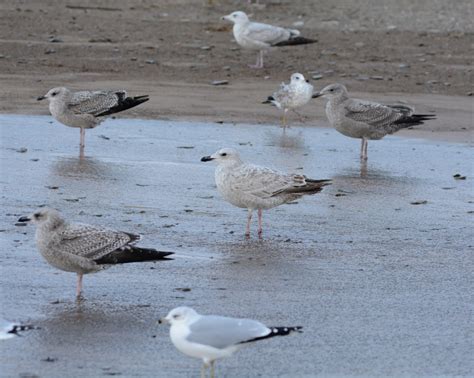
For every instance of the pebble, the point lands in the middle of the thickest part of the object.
(150, 61)
(220, 82)
(317, 77)
(55, 40)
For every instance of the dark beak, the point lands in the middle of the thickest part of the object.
(316, 95)
(206, 158)
(40, 98)
(24, 219)
(162, 321)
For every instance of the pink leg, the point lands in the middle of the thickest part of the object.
(82, 142)
(249, 220)
(260, 229)
(365, 149)
(259, 63)
(79, 286)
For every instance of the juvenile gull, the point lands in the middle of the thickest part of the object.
(82, 248)
(257, 36)
(364, 119)
(211, 337)
(291, 96)
(257, 188)
(9, 329)
(87, 109)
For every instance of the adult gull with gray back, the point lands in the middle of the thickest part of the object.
(291, 96)
(257, 36)
(364, 119)
(253, 187)
(87, 109)
(83, 248)
(211, 337)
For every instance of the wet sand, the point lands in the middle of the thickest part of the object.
(382, 286)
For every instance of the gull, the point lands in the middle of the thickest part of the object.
(291, 96)
(257, 36)
(253, 187)
(87, 109)
(364, 119)
(10, 329)
(83, 248)
(212, 337)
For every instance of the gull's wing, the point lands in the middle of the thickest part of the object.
(221, 332)
(95, 102)
(283, 93)
(266, 33)
(265, 183)
(374, 114)
(92, 242)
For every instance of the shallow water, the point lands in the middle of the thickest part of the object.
(380, 285)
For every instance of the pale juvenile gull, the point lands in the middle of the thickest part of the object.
(291, 96)
(82, 248)
(257, 188)
(212, 337)
(257, 36)
(10, 329)
(364, 119)
(87, 109)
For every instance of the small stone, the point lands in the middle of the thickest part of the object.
(220, 82)
(50, 51)
(317, 77)
(359, 44)
(150, 61)
(376, 77)
(226, 68)
(420, 202)
(457, 176)
(22, 150)
(206, 47)
(55, 40)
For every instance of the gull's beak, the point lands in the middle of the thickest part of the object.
(40, 98)
(225, 18)
(316, 95)
(24, 219)
(163, 321)
(207, 158)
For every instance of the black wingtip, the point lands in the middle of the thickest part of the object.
(125, 104)
(277, 331)
(296, 41)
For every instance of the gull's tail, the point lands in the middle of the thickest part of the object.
(304, 185)
(292, 41)
(124, 103)
(276, 331)
(131, 254)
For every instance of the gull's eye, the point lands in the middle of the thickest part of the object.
(234, 15)
(175, 316)
(331, 90)
(223, 154)
(54, 94)
(297, 78)
(37, 215)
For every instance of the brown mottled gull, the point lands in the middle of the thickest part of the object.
(87, 109)
(364, 119)
(82, 248)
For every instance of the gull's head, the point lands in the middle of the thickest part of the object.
(55, 93)
(237, 17)
(179, 315)
(43, 217)
(224, 156)
(298, 78)
(332, 91)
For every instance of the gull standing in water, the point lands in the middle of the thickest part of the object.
(87, 109)
(211, 337)
(364, 119)
(257, 36)
(82, 248)
(291, 96)
(257, 188)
